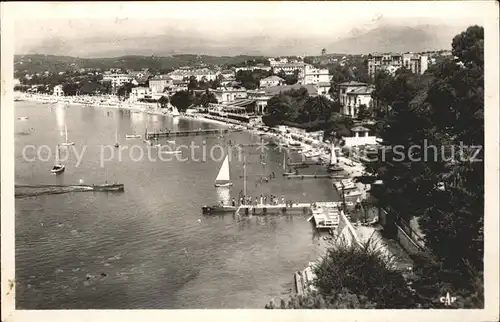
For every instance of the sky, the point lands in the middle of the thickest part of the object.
(36, 24)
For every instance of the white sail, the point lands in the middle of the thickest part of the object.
(223, 175)
(57, 155)
(66, 132)
(333, 156)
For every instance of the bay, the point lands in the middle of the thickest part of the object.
(150, 247)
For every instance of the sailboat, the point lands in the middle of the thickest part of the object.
(116, 138)
(334, 166)
(284, 166)
(57, 168)
(66, 142)
(223, 178)
(175, 112)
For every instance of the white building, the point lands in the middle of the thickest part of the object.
(357, 97)
(138, 93)
(314, 75)
(252, 68)
(345, 88)
(228, 74)
(417, 63)
(117, 80)
(361, 136)
(271, 81)
(323, 88)
(204, 74)
(58, 90)
(159, 83)
(226, 95)
(260, 97)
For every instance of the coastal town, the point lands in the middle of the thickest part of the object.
(317, 133)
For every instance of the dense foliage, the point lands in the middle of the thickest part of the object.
(441, 186)
(354, 276)
(182, 100)
(54, 64)
(251, 79)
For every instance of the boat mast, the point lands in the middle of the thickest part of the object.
(66, 132)
(57, 155)
(244, 176)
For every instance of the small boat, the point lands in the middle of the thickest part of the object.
(353, 194)
(66, 142)
(223, 178)
(170, 141)
(217, 209)
(175, 112)
(133, 136)
(334, 165)
(57, 168)
(294, 143)
(23, 118)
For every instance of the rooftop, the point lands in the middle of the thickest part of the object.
(353, 83)
(361, 90)
(359, 129)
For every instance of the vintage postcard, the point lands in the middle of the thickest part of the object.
(258, 160)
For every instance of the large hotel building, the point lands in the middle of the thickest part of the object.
(391, 62)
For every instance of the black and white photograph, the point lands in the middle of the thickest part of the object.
(330, 157)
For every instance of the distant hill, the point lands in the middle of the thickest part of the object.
(37, 63)
(397, 39)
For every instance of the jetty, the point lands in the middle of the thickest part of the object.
(304, 163)
(22, 191)
(303, 208)
(169, 134)
(308, 176)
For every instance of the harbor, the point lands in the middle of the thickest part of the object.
(157, 216)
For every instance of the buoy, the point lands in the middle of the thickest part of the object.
(199, 220)
(81, 181)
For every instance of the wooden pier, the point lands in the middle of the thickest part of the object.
(169, 134)
(304, 163)
(22, 191)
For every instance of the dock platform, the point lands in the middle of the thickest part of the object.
(168, 134)
(303, 208)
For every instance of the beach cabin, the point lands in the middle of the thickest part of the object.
(361, 136)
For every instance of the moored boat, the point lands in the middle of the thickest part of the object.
(217, 209)
(58, 167)
(109, 187)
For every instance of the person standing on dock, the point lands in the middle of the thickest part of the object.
(282, 199)
(233, 203)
